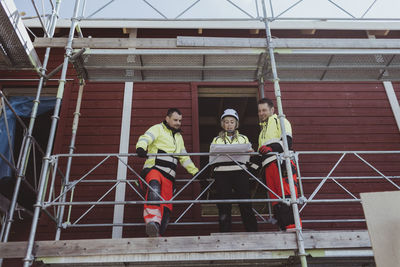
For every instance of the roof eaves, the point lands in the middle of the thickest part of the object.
(228, 24)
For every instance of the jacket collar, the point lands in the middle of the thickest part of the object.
(265, 123)
(235, 133)
(173, 130)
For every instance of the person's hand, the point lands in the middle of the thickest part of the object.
(141, 152)
(264, 150)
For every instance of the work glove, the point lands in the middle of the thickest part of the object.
(141, 152)
(264, 150)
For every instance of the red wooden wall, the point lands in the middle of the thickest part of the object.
(341, 116)
(99, 132)
(324, 116)
(150, 104)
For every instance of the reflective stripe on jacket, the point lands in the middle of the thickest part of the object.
(160, 139)
(236, 139)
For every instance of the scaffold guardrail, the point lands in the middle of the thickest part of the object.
(305, 199)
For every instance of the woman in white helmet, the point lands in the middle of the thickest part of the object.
(232, 182)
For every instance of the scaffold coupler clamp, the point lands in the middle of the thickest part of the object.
(65, 225)
(52, 160)
(287, 201)
(297, 201)
(281, 115)
(42, 69)
(262, 19)
(302, 254)
(275, 79)
(301, 200)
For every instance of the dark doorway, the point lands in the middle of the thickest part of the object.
(210, 111)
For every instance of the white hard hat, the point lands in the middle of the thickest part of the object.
(230, 112)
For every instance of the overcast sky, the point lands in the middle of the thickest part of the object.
(223, 8)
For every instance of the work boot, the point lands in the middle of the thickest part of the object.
(152, 229)
(292, 227)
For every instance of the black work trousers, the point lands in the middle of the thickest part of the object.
(234, 185)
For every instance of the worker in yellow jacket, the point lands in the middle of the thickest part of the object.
(159, 171)
(232, 182)
(270, 140)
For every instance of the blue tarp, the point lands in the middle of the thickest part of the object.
(23, 108)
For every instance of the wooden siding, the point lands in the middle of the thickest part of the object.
(150, 104)
(98, 132)
(324, 116)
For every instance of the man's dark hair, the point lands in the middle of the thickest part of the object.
(266, 101)
(172, 110)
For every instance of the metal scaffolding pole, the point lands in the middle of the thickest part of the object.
(27, 141)
(286, 153)
(46, 160)
(75, 123)
(73, 184)
(261, 87)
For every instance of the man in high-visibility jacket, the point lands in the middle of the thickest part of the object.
(270, 140)
(159, 171)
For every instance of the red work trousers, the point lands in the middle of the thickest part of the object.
(282, 213)
(273, 181)
(160, 186)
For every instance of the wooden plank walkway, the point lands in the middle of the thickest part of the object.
(242, 249)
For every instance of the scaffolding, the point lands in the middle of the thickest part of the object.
(201, 59)
(18, 53)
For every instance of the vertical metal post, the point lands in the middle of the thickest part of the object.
(27, 141)
(261, 87)
(286, 153)
(118, 217)
(75, 124)
(120, 189)
(261, 94)
(46, 159)
(3, 222)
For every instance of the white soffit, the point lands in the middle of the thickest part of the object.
(239, 64)
(208, 59)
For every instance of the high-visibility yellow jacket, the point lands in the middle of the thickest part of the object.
(161, 139)
(238, 139)
(270, 135)
(226, 140)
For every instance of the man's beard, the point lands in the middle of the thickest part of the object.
(175, 128)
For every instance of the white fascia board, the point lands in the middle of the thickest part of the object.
(228, 24)
(394, 103)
